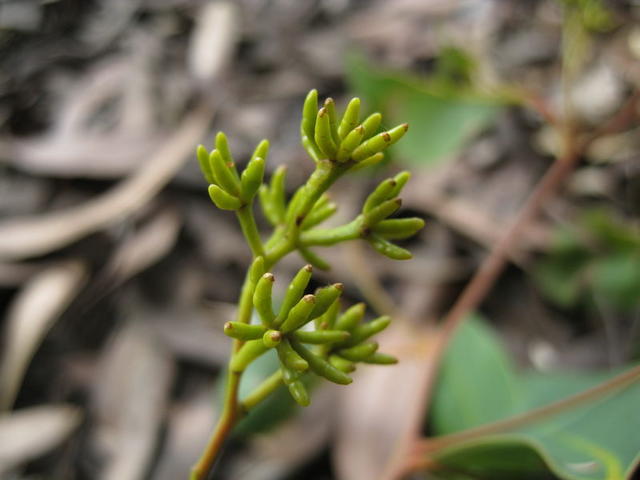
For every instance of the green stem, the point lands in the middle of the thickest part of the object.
(262, 391)
(331, 236)
(227, 420)
(325, 174)
(250, 229)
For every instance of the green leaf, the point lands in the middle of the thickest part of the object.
(443, 116)
(596, 440)
(476, 384)
(616, 279)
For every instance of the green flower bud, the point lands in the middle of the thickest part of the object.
(319, 337)
(295, 290)
(205, 166)
(262, 299)
(366, 330)
(222, 199)
(247, 354)
(320, 366)
(384, 191)
(388, 249)
(223, 174)
(381, 359)
(325, 297)
(271, 338)
(379, 142)
(350, 118)
(327, 320)
(368, 162)
(359, 352)
(290, 358)
(330, 107)
(399, 228)
(323, 135)
(342, 364)
(262, 150)
(351, 317)
(371, 124)
(223, 147)
(299, 314)
(309, 113)
(382, 211)
(251, 178)
(256, 270)
(350, 143)
(401, 180)
(299, 393)
(244, 331)
(278, 191)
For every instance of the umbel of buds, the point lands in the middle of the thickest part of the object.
(338, 341)
(308, 332)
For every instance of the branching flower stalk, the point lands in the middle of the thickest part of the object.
(338, 341)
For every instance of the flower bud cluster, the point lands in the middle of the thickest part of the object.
(331, 349)
(227, 189)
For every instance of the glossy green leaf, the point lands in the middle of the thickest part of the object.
(477, 384)
(596, 440)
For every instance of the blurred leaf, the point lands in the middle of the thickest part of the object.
(617, 279)
(477, 384)
(31, 315)
(30, 432)
(610, 232)
(443, 111)
(592, 441)
(599, 257)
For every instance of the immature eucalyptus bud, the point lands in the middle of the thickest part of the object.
(222, 145)
(388, 249)
(350, 118)
(244, 331)
(330, 107)
(359, 352)
(350, 318)
(271, 338)
(223, 174)
(371, 124)
(323, 135)
(295, 290)
(399, 228)
(205, 166)
(251, 178)
(350, 143)
(290, 358)
(262, 299)
(379, 142)
(222, 199)
(299, 314)
(319, 337)
(320, 366)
